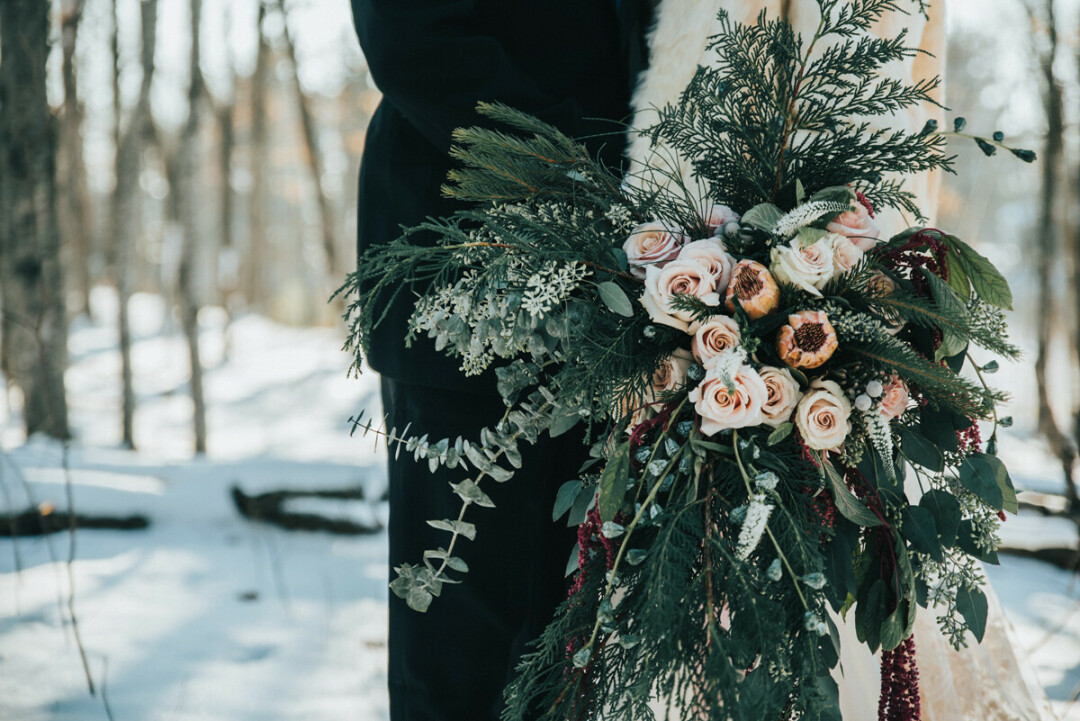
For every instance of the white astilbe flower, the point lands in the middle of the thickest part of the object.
(806, 214)
(753, 527)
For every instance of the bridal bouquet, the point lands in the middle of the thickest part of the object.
(781, 396)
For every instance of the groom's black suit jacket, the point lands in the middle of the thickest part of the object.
(570, 62)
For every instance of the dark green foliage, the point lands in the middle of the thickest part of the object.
(775, 108)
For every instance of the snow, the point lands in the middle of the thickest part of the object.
(208, 616)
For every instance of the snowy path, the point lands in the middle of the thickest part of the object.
(206, 616)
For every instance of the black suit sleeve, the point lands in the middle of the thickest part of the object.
(433, 66)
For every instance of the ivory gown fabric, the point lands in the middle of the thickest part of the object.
(985, 682)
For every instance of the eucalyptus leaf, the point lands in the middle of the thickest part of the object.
(464, 528)
(419, 599)
(564, 499)
(782, 431)
(562, 423)
(918, 449)
(613, 483)
(987, 281)
(972, 605)
(615, 298)
(763, 217)
(471, 493)
(921, 532)
(946, 510)
(978, 474)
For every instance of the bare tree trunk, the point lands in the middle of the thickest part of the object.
(313, 156)
(1074, 287)
(1048, 251)
(227, 263)
(186, 189)
(76, 223)
(33, 327)
(224, 117)
(260, 136)
(126, 223)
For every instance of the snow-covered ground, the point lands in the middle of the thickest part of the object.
(206, 616)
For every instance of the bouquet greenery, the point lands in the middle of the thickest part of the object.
(783, 410)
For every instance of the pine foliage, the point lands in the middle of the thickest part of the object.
(774, 109)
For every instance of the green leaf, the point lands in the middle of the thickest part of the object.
(573, 563)
(958, 279)
(613, 483)
(921, 532)
(871, 610)
(763, 217)
(782, 431)
(452, 562)
(1004, 481)
(808, 236)
(946, 510)
(952, 341)
(562, 423)
(463, 528)
(895, 628)
(564, 499)
(499, 474)
(585, 498)
(939, 426)
(418, 599)
(919, 450)
(979, 475)
(471, 493)
(849, 506)
(972, 605)
(987, 281)
(615, 298)
(835, 194)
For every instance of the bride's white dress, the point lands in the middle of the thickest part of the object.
(986, 682)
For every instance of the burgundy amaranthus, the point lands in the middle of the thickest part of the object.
(590, 538)
(910, 256)
(970, 439)
(899, 699)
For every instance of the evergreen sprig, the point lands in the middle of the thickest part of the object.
(771, 110)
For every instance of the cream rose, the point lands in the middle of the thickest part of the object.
(880, 284)
(712, 253)
(685, 276)
(668, 376)
(845, 254)
(713, 337)
(652, 244)
(894, 399)
(722, 408)
(822, 416)
(783, 396)
(717, 218)
(857, 226)
(672, 372)
(809, 268)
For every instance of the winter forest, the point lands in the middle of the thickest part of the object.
(187, 528)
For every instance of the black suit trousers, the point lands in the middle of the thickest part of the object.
(452, 662)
